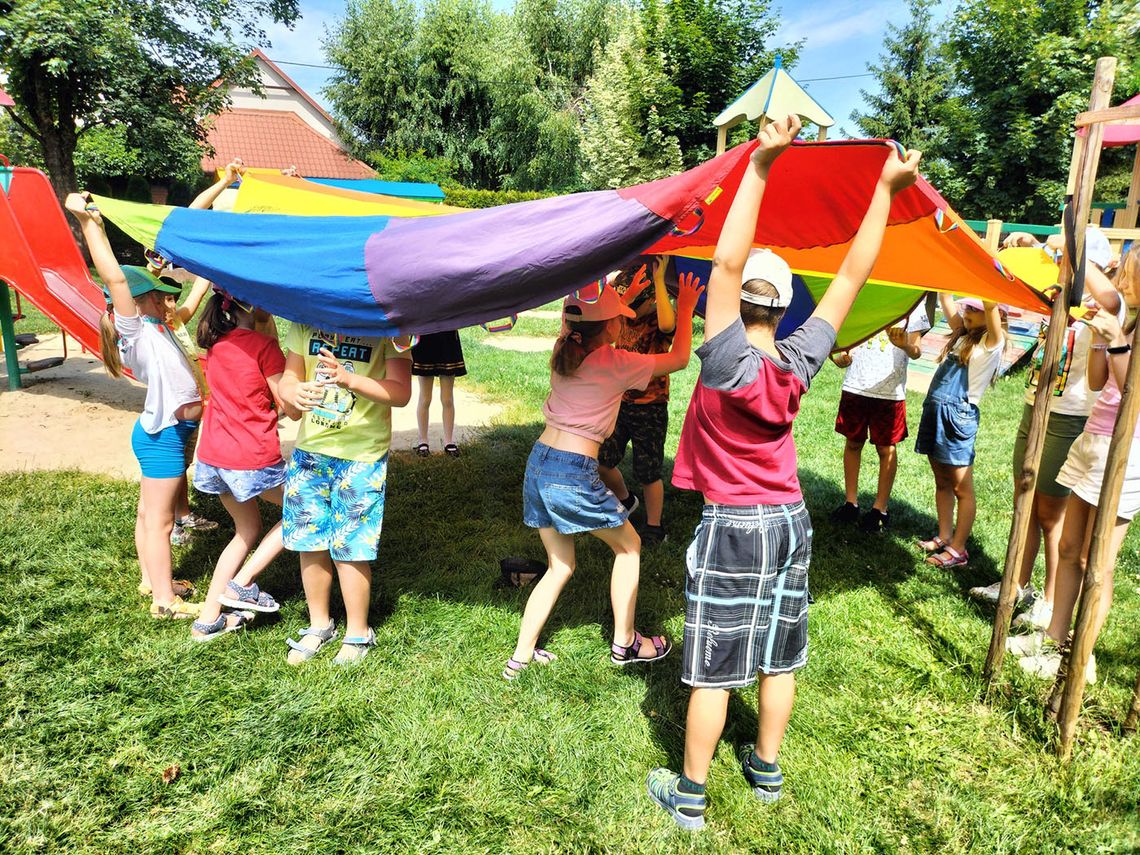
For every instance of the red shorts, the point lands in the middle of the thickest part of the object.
(884, 420)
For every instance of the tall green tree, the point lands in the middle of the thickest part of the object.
(628, 102)
(715, 50)
(147, 66)
(1025, 68)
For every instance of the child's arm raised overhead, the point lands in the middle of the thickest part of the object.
(636, 286)
(666, 316)
(91, 224)
(994, 331)
(688, 292)
(950, 311)
(897, 175)
(722, 306)
(208, 196)
(186, 311)
(395, 389)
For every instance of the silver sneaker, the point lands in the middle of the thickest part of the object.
(1033, 644)
(1038, 616)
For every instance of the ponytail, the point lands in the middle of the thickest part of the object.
(574, 345)
(109, 345)
(218, 318)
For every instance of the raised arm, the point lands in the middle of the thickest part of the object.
(1107, 330)
(207, 197)
(194, 300)
(688, 292)
(897, 175)
(722, 305)
(994, 331)
(949, 311)
(666, 316)
(91, 224)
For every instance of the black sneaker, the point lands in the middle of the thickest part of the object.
(846, 513)
(874, 521)
(652, 535)
(630, 502)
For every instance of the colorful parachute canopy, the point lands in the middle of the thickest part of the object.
(399, 272)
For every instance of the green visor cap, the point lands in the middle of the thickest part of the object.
(142, 281)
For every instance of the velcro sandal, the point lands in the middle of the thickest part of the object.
(178, 609)
(358, 647)
(632, 654)
(514, 667)
(299, 653)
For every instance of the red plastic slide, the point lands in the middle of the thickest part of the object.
(39, 258)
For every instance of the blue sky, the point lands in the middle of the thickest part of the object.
(840, 38)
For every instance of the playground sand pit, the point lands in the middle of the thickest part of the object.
(76, 416)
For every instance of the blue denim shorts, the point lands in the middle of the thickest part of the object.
(562, 490)
(947, 431)
(243, 484)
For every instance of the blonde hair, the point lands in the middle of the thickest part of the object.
(109, 344)
(577, 340)
(971, 338)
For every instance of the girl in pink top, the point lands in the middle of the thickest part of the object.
(563, 494)
(1083, 473)
(239, 456)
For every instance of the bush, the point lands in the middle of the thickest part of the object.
(466, 197)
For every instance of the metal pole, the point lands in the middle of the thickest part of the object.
(8, 332)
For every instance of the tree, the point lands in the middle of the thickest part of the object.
(628, 101)
(1025, 68)
(716, 49)
(147, 66)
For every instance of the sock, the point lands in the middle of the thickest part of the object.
(761, 765)
(690, 787)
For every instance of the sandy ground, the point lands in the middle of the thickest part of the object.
(78, 417)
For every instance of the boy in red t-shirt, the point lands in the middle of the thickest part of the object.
(746, 589)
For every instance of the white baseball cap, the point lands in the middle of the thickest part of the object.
(1097, 249)
(765, 264)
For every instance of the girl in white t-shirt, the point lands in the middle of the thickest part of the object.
(563, 494)
(949, 424)
(141, 337)
(1083, 473)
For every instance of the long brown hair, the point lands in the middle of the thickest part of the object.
(577, 340)
(1129, 272)
(223, 314)
(970, 339)
(109, 344)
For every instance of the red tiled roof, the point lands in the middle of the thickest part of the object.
(6, 99)
(275, 139)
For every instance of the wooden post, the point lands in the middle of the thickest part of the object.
(993, 234)
(721, 139)
(1086, 158)
(822, 134)
(1126, 219)
(1133, 716)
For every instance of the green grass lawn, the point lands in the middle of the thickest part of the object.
(425, 749)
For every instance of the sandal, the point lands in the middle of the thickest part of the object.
(197, 522)
(514, 667)
(177, 610)
(422, 450)
(512, 571)
(935, 544)
(253, 598)
(303, 653)
(629, 655)
(949, 557)
(451, 449)
(359, 647)
(219, 627)
(182, 588)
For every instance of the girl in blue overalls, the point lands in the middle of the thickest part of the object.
(949, 424)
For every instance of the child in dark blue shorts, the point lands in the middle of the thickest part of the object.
(746, 586)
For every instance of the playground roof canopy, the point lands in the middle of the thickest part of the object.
(774, 95)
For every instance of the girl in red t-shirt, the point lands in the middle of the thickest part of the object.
(239, 456)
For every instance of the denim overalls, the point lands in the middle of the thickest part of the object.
(949, 422)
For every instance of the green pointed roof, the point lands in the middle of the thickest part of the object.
(774, 95)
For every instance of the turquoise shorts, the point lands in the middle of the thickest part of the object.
(165, 454)
(333, 505)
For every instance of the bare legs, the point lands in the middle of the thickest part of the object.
(247, 530)
(355, 579)
(1073, 559)
(888, 468)
(704, 722)
(158, 498)
(1046, 525)
(954, 484)
(653, 493)
(447, 401)
(626, 546)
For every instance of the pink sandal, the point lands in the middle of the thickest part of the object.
(935, 544)
(949, 557)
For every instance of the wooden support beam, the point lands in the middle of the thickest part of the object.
(1133, 717)
(1089, 617)
(1086, 158)
(822, 137)
(1121, 114)
(721, 139)
(993, 235)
